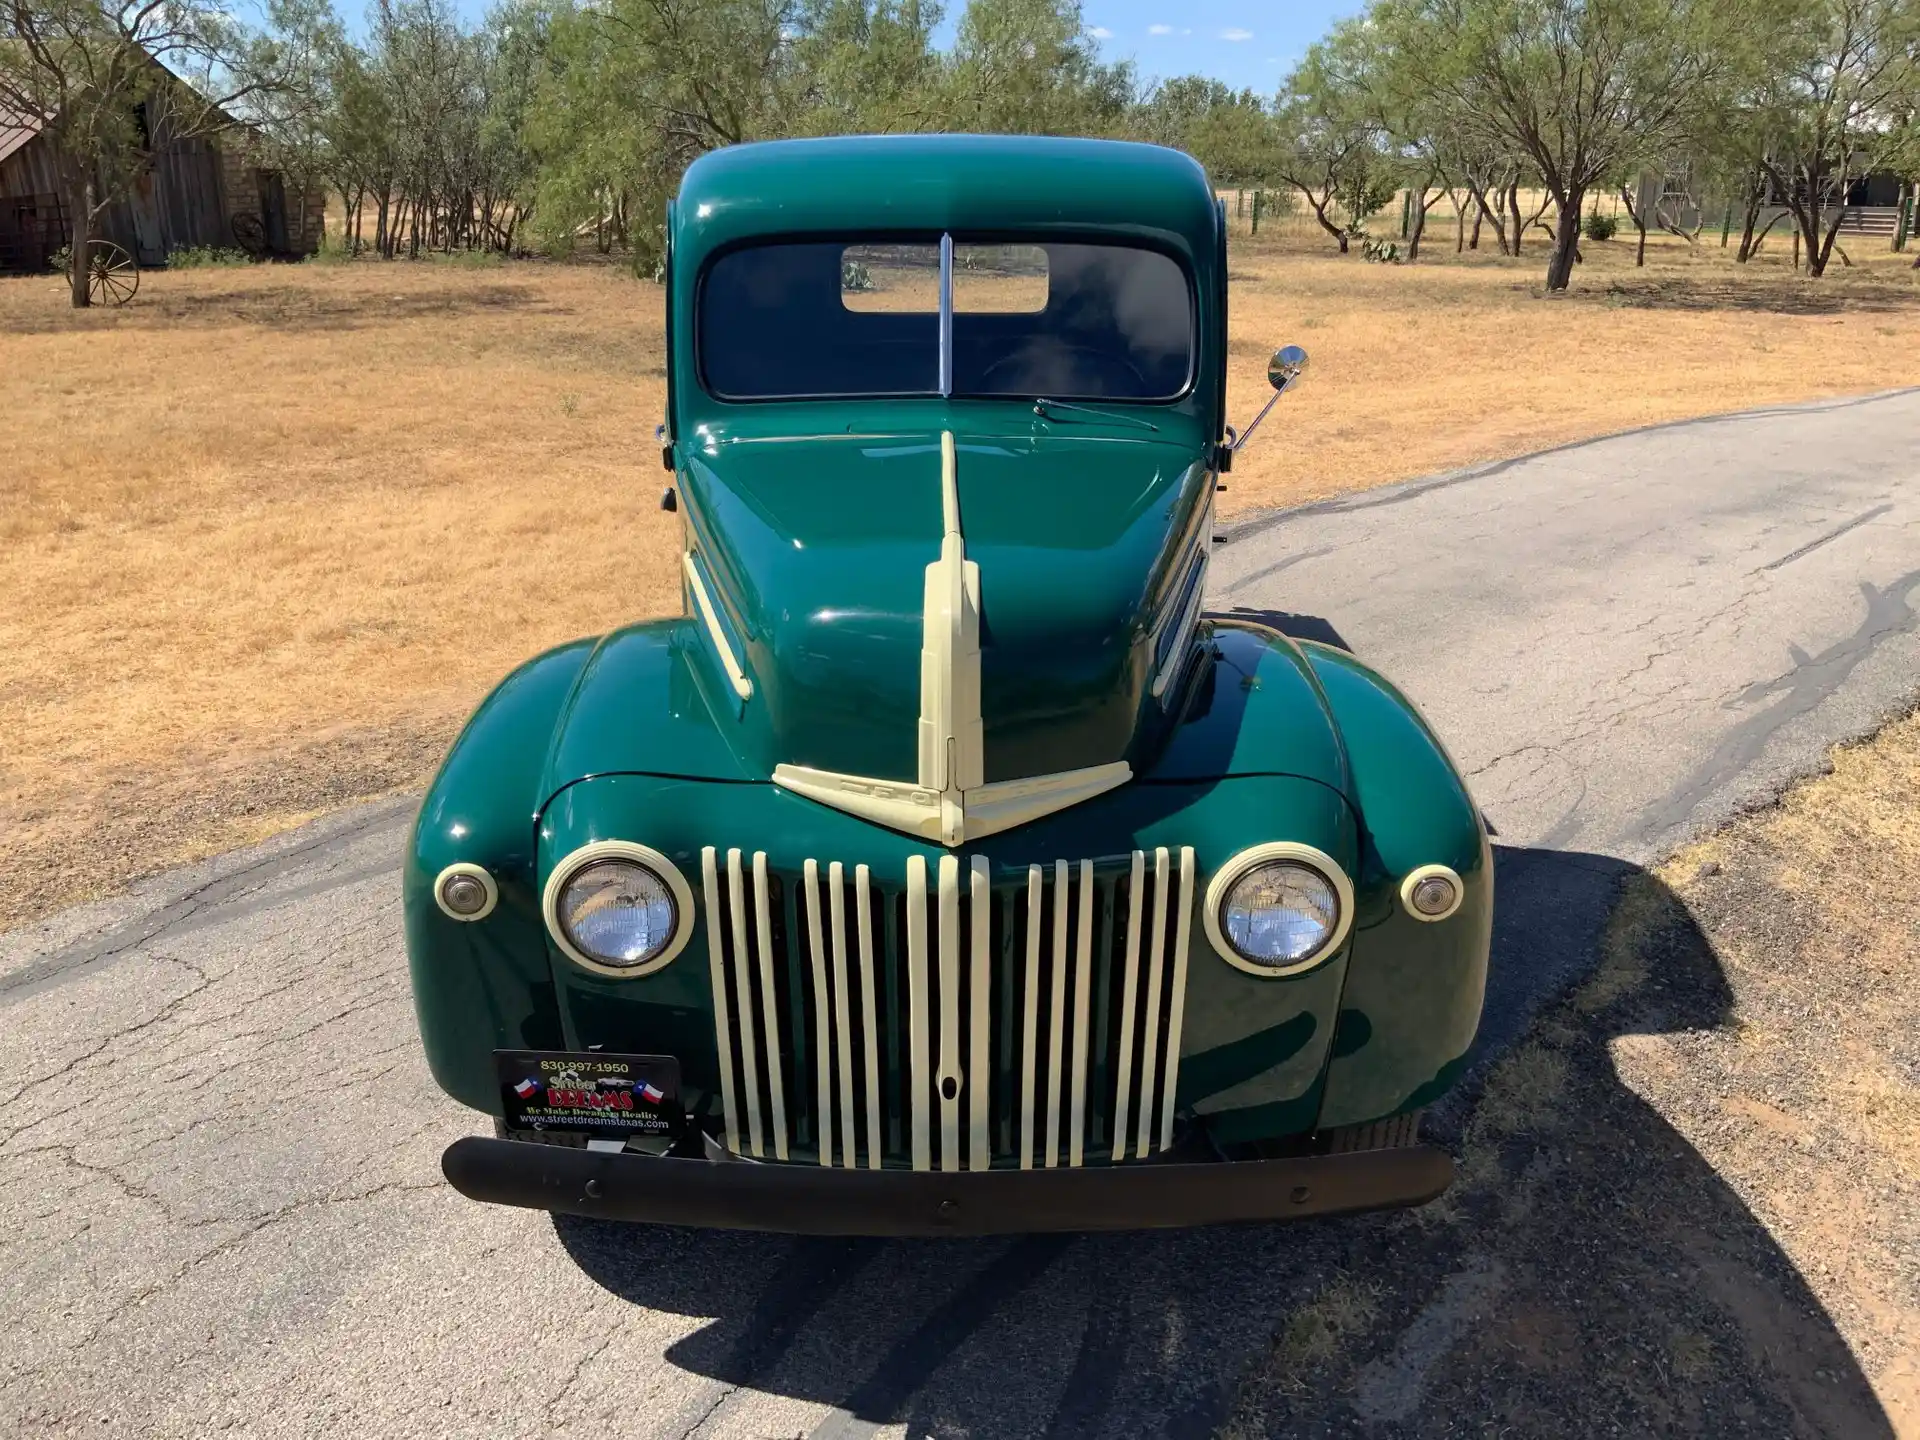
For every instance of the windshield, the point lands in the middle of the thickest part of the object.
(818, 319)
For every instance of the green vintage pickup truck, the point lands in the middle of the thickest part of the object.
(946, 868)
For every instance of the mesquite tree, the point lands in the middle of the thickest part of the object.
(1575, 86)
(1836, 104)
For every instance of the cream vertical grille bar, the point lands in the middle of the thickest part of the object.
(1149, 1045)
(716, 965)
(1177, 1011)
(822, 1021)
(842, 1006)
(949, 1077)
(1082, 984)
(743, 980)
(919, 1081)
(1030, 1022)
(980, 1021)
(1114, 1007)
(763, 925)
(1057, 1011)
(1130, 987)
(870, 1012)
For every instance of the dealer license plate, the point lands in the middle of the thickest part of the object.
(591, 1092)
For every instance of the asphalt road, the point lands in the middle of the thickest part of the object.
(220, 1205)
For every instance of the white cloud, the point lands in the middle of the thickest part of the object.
(1100, 32)
(1236, 36)
(1159, 29)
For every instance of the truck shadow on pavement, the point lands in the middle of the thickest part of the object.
(1589, 1273)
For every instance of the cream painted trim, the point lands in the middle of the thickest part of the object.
(1227, 874)
(1422, 872)
(918, 1080)
(980, 1022)
(1004, 804)
(948, 1075)
(742, 972)
(1123, 1095)
(822, 1017)
(863, 916)
(639, 854)
(1156, 967)
(986, 810)
(1056, 1012)
(842, 1006)
(896, 804)
(478, 872)
(949, 486)
(716, 965)
(1183, 641)
(769, 1002)
(742, 686)
(1082, 982)
(1177, 1015)
(1030, 1019)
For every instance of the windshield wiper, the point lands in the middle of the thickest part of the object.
(1041, 406)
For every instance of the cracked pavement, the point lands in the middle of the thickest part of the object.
(219, 1146)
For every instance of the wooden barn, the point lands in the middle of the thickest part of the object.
(194, 191)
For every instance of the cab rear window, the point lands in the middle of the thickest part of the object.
(1052, 320)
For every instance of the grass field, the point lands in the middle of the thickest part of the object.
(266, 534)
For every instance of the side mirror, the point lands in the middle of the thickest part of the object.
(1289, 363)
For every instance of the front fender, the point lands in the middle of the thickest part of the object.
(1414, 988)
(487, 977)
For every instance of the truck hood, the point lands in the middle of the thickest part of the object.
(815, 556)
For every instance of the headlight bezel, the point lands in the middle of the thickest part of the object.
(631, 853)
(1290, 852)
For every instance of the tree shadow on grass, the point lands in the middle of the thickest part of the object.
(286, 306)
(1589, 1274)
(1836, 293)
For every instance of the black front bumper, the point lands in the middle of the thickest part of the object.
(805, 1199)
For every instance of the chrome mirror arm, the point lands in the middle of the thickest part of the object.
(1254, 424)
(1283, 371)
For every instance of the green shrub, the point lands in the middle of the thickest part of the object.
(1601, 227)
(203, 257)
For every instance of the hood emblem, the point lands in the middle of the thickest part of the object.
(950, 801)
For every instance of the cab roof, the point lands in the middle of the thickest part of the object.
(926, 184)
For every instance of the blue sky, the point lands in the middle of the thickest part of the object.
(1242, 43)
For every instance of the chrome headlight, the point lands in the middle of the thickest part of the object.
(1278, 909)
(618, 908)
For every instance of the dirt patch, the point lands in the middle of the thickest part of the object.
(1689, 1203)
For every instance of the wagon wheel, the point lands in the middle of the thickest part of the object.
(250, 233)
(112, 277)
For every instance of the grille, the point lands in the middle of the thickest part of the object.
(962, 1020)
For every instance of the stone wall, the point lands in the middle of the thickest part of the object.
(240, 172)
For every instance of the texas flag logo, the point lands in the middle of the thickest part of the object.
(651, 1093)
(527, 1088)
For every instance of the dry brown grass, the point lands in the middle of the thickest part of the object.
(266, 534)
